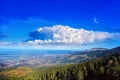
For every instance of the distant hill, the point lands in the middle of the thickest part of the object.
(96, 49)
(83, 56)
(111, 51)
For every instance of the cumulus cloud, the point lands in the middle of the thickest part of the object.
(59, 34)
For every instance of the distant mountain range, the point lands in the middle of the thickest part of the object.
(74, 57)
(82, 56)
(111, 51)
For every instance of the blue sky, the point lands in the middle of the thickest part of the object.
(19, 18)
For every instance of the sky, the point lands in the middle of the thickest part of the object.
(62, 24)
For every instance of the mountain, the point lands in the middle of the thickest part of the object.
(96, 49)
(104, 68)
(83, 56)
(111, 51)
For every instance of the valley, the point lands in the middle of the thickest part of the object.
(105, 65)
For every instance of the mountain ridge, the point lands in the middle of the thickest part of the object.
(81, 56)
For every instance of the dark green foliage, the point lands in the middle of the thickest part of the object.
(107, 68)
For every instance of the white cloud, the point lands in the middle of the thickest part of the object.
(59, 34)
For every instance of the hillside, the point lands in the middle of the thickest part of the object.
(94, 53)
(105, 68)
